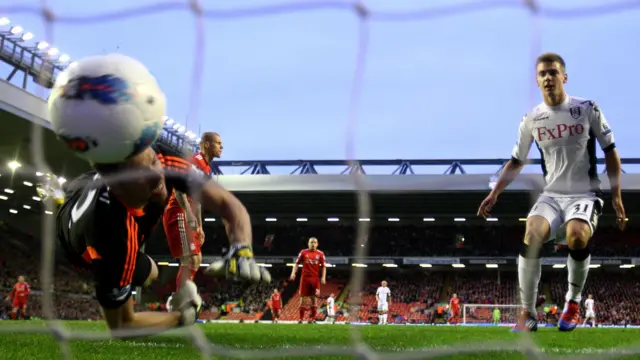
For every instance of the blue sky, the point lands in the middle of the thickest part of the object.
(278, 87)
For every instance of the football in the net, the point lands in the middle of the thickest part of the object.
(107, 108)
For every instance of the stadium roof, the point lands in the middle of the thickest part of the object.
(315, 197)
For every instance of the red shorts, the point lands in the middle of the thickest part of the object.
(455, 312)
(309, 287)
(275, 312)
(182, 240)
(19, 302)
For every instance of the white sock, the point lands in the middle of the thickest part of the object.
(379, 318)
(578, 271)
(384, 318)
(529, 271)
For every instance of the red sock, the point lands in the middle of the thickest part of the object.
(192, 274)
(302, 311)
(314, 310)
(14, 315)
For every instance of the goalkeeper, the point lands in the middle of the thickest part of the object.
(496, 316)
(107, 215)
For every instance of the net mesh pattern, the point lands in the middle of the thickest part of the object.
(365, 17)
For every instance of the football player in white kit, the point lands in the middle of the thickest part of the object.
(331, 309)
(590, 313)
(383, 295)
(565, 129)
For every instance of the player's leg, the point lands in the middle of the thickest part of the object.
(304, 293)
(385, 315)
(23, 311)
(314, 299)
(544, 218)
(182, 243)
(14, 310)
(117, 302)
(582, 219)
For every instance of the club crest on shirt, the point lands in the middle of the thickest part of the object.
(575, 112)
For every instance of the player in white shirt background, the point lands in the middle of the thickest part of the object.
(331, 309)
(383, 296)
(565, 130)
(590, 312)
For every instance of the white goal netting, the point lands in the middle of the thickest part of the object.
(365, 17)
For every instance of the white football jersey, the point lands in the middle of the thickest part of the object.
(330, 302)
(565, 136)
(383, 294)
(589, 304)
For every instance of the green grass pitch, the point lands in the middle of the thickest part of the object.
(255, 338)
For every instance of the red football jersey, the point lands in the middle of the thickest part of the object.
(275, 301)
(20, 290)
(455, 303)
(311, 262)
(199, 164)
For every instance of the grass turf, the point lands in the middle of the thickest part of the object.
(255, 338)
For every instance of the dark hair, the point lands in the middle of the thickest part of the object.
(551, 58)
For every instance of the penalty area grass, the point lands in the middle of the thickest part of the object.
(255, 338)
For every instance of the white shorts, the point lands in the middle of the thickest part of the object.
(331, 312)
(383, 307)
(558, 210)
(590, 314)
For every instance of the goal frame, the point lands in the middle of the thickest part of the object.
(501, 306)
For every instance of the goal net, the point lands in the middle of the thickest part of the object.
(489, 314)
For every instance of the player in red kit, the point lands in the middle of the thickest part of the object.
(454, 309)
(20, 294)
(276, 305)
(312, 261)
(182, 219)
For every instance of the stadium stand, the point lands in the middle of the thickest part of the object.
(415, 292)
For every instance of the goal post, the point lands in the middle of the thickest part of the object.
(483, 314)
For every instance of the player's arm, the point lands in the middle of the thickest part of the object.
(183, 201)
(604, 135)
(378, 295)
(389, 298)
(12, 293)
(238, 263)
(295, 267)
(518, 157)
(323, 266)
(216, 199)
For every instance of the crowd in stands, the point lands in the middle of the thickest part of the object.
(616, 297)
(415, 293)
(405, 240)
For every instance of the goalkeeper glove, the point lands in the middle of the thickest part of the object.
(239, 264)
(187, 302)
